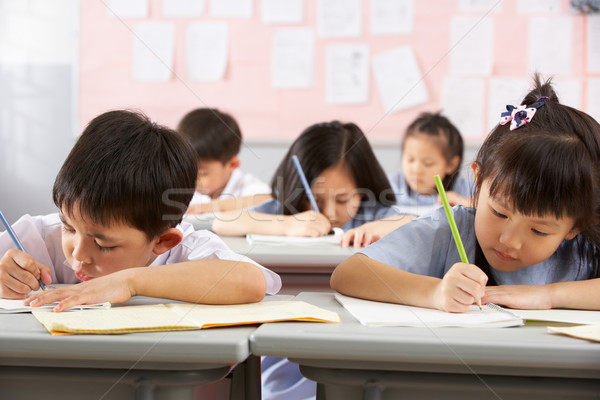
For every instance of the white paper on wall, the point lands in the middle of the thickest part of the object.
(183, 8)
(536, 7)
(207, 50)
(399, 79)
(480, 6)
(392, 17)
(153, 48)
(347, 74)
(232, 8)
(569, 91)
(283, 11)
(127, 9)
(339, 18)
(471, 45)
(593, 43)
(550, 43)
(463, 101)
(292, 58)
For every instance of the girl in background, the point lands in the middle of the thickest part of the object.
(349, 185)
(534, 237)
(431, 146)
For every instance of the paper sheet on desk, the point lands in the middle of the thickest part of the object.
(588, 332)
(16, 306)
(373, 313)
(334, 238)
(179, 316)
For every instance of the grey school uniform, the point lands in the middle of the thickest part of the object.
(425, 246)
(365, 213)
(410, 202)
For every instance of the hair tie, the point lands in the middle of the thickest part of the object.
(520, 115)
(542, 97)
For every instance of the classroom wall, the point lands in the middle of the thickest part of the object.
(38, 100)
(64, 61)
(468, 58)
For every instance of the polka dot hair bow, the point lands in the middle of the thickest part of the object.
(519, 116)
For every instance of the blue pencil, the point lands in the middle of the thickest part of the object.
(15, 239)
(309, 194)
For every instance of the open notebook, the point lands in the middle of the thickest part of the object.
(373, 313)
(17, 306)
(179, 316)
(334, 238)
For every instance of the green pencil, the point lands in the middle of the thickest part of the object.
(457, 240)
(451, 221)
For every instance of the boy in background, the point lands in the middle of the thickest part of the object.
(221, 185)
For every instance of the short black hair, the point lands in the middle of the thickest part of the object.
(325, 145)
(215, 135)
(125, 168)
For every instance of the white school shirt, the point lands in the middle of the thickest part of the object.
(41, 238)
(240, 184)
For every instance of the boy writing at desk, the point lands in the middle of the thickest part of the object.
(121, 194)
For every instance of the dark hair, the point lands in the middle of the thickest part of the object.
(436, 125)
(325, 145)
(126, 169)
(549, 166)
(214, 135)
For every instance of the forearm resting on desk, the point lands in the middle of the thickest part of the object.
(242, 222)
(580, 295)
(228, 204)
(200, 281)
(363, 277)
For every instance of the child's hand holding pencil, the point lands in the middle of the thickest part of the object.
(20, 273)
(464, 284)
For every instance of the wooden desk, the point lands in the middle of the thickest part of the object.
(156, 365)
(302, 268)
(352, 362)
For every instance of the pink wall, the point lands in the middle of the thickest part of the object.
(106, 76)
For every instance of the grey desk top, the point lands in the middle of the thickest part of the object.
(321, 258)
(349, 345)
(25, 342)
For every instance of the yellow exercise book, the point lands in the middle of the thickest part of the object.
(178, 316)
(589, 332)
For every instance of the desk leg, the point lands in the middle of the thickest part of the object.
(246, 381)
(373, 391)
(144, 390)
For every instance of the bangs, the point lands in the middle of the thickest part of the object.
(538, 178)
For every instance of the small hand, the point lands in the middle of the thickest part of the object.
(533, 297)
(112, 288)
(359, 237)
(462, 286)
(308, 223)
(19, 274)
